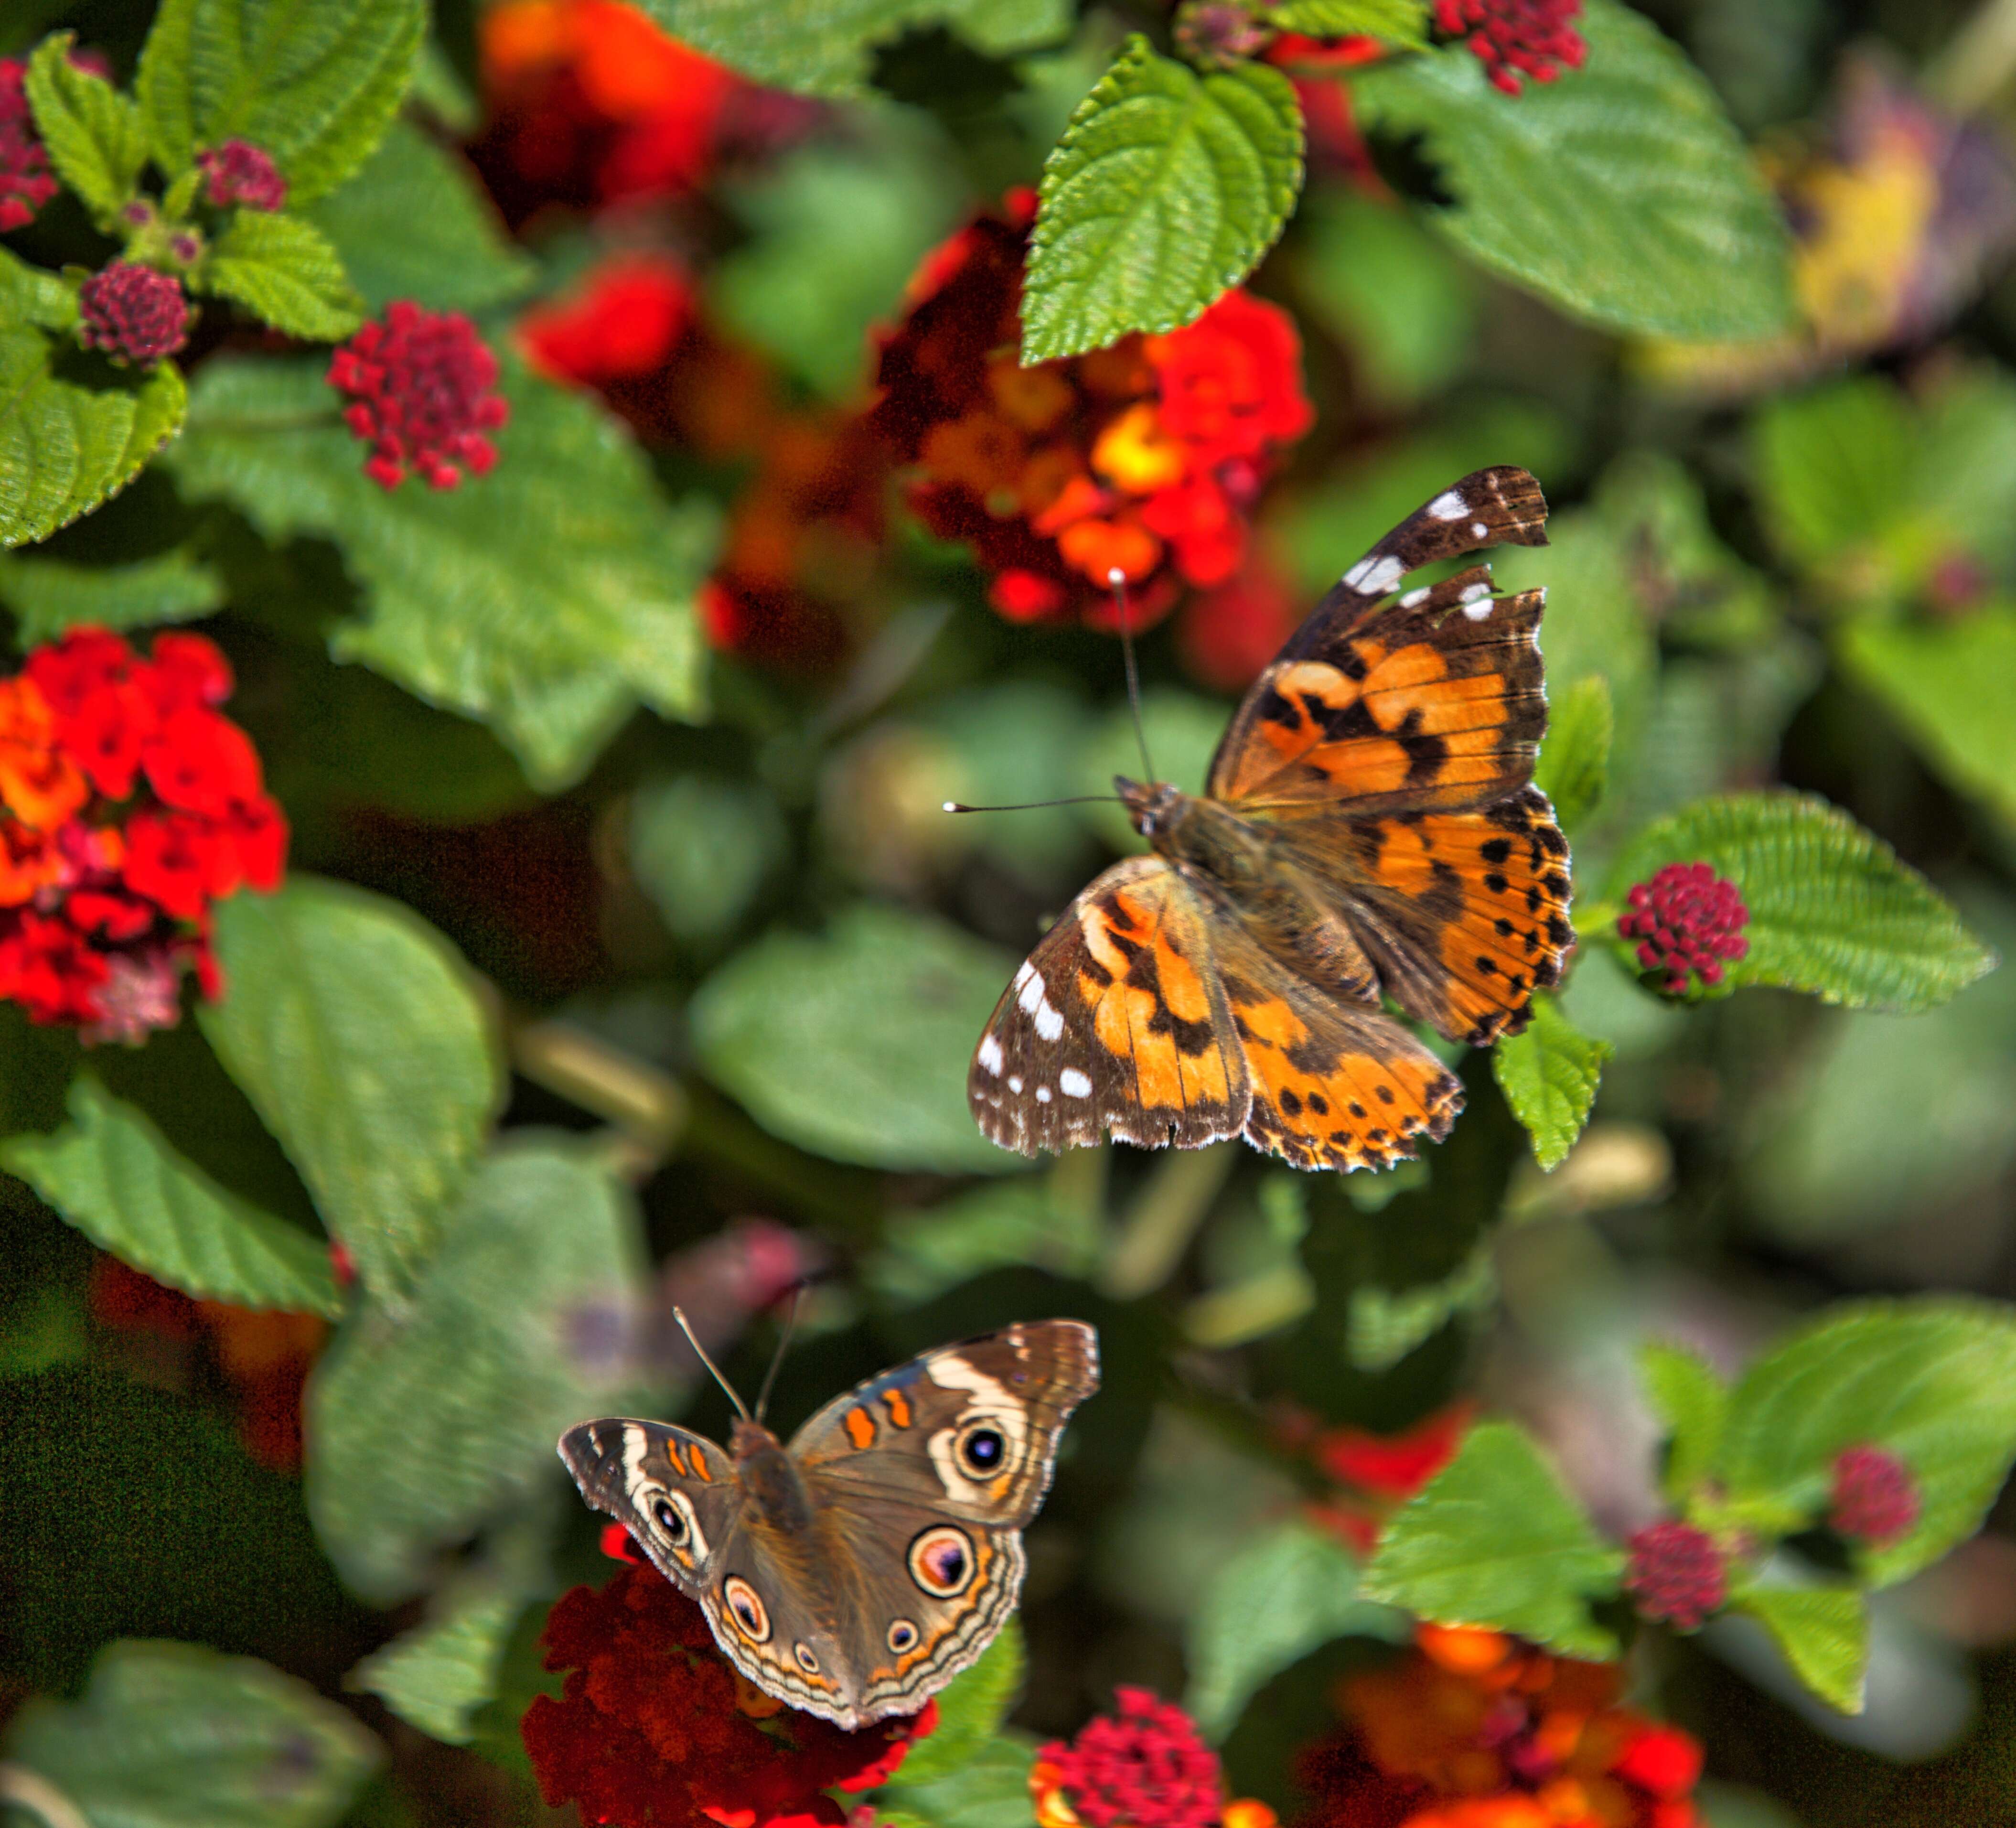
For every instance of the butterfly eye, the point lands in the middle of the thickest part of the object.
(670, 1520)
(982, 1450)
(902, 1636)
(749, 1611)
(941, 1561)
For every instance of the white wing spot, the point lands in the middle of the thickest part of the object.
(1032, 998)
(990, 1056)
(1050, 1024)
(1042, 1094)
(1075, 1085)
(1479, 611)
(1375, 576)
(1014, 1082)
(1478, 529)
(1414, 596)
(1449, 506)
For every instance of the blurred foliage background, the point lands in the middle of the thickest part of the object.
(629, 948)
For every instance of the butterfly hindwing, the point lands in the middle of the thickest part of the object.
(1116, 1024)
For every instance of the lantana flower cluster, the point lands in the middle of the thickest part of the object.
(131, 807)
(1145, 1765)
(1513, 38)
(656, 1729)
(1688, 922)
(1475, 1729)
(1372, 1475)
(26, 181)
(421, 389)
(1143, 458)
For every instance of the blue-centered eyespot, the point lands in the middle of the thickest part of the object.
(747, 1609)
(941, 1561)
(902, 1636)
(807, 1661)
(983, 1450)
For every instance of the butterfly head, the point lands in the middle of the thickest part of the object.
(1152, 806)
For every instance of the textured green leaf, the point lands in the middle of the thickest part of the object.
(1549, 1075)
(1621, 193)
(414, 223)
(1951, 685)
(48, 596)
(175, 1735)
(702, 846)
(1833, 912)
(826, 47)
(280, 269)
(1384, 1324)
(1824, 1633)
(992, 1791)
(112, 1174)
(1287, 1590)
(546, 599)
(31, 295)
(1574, 766)
(1166, 189)
(1692, 1403)
(73, 429)
(1399, 22)
(1493, 1540)
(96, 139)
(315, 83)
(971, 1710)
(358, 1036)
(887, 1004)
(1018, 1223)
(437, 1675)
(1829, 463)
(425, 1423)
(1930, 1381)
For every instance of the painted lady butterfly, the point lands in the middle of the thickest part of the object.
(1370, 830)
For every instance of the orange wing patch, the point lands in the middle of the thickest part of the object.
(860, 1428)
(1431, 707)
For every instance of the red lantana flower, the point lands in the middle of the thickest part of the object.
(25, 182)
(238, 174)
(1141, 459)
(1144, 1766)
(1874, 1498)
(623, 325)
(1677, 1573)
(656, 1729)
(128, 805)
(1688, 922)
(1474, 1730)
(1373, 1474)
(592, 104)
(420, 384)
(134, 314)
(1516, 37)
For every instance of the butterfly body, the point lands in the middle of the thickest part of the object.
(1369, 833)
(855, 1570)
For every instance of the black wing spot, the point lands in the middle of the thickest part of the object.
(1496, 850)
(1318, 1104)
(1290, 1103)
(1502, 927)
(1383, 1093)
(1485, 966)
(1357, 1109)
(1496, 883)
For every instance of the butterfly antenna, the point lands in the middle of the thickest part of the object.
(1117, 578)
(1076, 799)
(686, 1327)
(777, 1357)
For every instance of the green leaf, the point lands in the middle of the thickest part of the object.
(1621, 193)
(1833, 912)
(1166, 189)
(1950, 686)
(888, 1005)
(49, 596)
(1493, 1540)
(175, 1735)
(991, 1791)
(425, 1423)
(1549, 1075)
(314, 83)
(702, 847)
(971, 1710)
(1932, 1381)
(358, 1035)
(1288, 1590)
(414, 223)
(825, 47)
(1019, 1223)
(1399, 22)
(96, 137)
(1692, 1403)
(1824, 1633)
(280, 269)
(1828, 465)
(546, 599)
(1574, 766)
(30, 295)
(436, 1675)
(1384, 1324)
(112, 1174)
(73, 429)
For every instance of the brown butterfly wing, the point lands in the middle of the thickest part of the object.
(1116, 1024)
